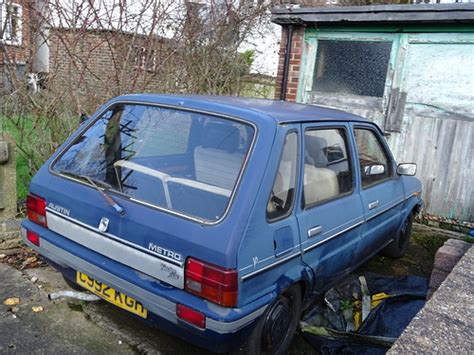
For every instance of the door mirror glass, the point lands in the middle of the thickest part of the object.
(406, 169)
(374, 169)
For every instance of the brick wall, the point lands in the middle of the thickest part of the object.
(295, 63)
(13, 55)
(99, 64)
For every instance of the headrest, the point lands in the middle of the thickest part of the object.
(315, 147)
(221, 136)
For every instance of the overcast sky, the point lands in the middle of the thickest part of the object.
(264, 41)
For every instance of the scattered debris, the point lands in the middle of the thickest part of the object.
(445, 223)
(34, 279)
(14, 309)
(14, 316)
(12, 301)
(37, 309)
(364, 315)
(22, 258)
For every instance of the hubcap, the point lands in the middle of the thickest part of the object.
(276, 325)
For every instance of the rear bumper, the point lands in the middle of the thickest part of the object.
(223, 330)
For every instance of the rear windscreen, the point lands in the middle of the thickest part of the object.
(182, 161)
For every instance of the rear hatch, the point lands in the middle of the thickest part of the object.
(143, 183)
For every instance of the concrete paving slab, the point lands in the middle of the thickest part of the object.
(446, 324)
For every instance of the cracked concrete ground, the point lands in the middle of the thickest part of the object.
(77, 327)
(54, 330)
(70, 326)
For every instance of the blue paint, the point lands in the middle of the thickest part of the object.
(245, 239)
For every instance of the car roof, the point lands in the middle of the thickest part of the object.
(281, 111)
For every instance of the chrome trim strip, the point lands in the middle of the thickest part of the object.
(146, 263)
(332, 237)
(413, 193)
(265, 268)
(232, 327)
(387, 243)
(384, 210)
(174, 107)
(118, 239)
(153, 302)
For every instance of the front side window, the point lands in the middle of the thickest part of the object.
(186, 162)
(327, 169)
(371, 154)
(351, 67)
(283, 191)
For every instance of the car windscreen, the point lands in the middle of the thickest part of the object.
(182, 161)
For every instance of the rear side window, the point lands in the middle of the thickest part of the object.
(283, 191)
(371, 152)
(186, 162)
(327, 169)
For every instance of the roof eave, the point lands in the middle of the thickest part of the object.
(376, 14)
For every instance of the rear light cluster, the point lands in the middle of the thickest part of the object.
(33, 237)
(36, 210)
(191, 316)
(212, 282)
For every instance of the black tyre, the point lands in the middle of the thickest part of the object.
(72, 284)
(275, 330)
(399, 246)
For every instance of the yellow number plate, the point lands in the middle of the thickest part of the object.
(109, 294)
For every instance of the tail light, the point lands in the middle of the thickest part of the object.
(36, 209)
(33, 237)
(212, 282)
(191, 316)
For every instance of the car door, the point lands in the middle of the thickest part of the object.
(331, 214)
(381, 191)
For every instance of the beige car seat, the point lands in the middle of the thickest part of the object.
(319, 184)
(217, 161)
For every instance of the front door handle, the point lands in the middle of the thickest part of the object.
(314, 231)
(373, 204)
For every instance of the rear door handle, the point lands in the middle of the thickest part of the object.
(373, 204)
(314, 231)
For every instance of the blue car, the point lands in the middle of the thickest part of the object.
(217, 218)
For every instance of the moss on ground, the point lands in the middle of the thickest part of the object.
(418, 259)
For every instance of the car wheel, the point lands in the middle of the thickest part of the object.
(399, 245)
(72, 284)
(275, 330)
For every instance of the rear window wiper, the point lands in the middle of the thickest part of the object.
(103, 191)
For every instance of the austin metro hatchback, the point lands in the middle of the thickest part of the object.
(216, 218)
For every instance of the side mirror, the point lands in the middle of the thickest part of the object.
(406, 169)
(374, 169)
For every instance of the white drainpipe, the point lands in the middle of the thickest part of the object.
(41, 58)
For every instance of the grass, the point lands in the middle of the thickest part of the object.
(23, 171)
(418, 259)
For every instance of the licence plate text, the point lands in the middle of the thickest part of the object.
(111, 295)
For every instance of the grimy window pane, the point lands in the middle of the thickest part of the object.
(351, 67)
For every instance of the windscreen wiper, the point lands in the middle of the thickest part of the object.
(95, 183)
